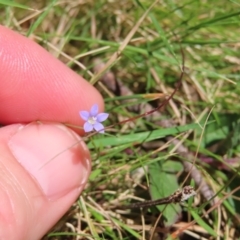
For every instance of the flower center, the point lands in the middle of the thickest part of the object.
(92, 120)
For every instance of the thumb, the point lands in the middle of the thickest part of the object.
(43, 169)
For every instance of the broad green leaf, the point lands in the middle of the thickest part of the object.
(163, 184)
(220, 128)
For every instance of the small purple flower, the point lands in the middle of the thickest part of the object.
(93, 119)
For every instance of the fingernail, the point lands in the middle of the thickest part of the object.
(55, 156)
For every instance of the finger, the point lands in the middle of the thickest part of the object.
(36, 86)
(33, 194)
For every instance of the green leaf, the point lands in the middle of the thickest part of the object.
(94, 174)
(172, 166)
(14, 4)
(220, 128)
(140, 137)
(163, 184)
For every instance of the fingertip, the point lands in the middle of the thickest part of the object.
(37, 86)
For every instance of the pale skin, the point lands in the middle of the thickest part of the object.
(35, 87)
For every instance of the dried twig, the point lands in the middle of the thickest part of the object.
(177, 197)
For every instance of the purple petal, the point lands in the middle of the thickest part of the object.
(102, 117)
(84, 115)
(87, 127)
(94, 110)
(99, 127)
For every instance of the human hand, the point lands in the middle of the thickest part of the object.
(34, 87)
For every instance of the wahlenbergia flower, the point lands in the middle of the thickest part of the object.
(93, 119)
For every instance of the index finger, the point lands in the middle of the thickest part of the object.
(36, 86)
